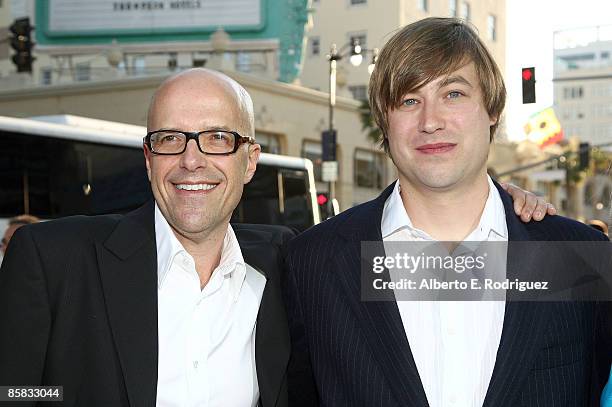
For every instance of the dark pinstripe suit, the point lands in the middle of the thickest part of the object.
(346, 352)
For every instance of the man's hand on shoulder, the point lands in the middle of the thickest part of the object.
(528, 205)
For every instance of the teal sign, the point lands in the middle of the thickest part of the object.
(61, 23)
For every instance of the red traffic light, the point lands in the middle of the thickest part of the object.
(529, 80)
(321, 199)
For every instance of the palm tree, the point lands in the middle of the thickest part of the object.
(368, 124)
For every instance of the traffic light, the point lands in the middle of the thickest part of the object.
(328, 141)
(324, 205)
(528, 76)
(322, 199)
(21, 42)
(584, 156)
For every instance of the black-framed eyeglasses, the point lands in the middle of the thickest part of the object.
(212, 142)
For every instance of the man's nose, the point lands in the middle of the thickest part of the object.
(431, 118)
(192, 158)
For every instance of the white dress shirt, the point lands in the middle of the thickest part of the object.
(206, 336)
(454, 343)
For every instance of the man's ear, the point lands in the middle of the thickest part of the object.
(147, 155)
(493, 120)
(253, 158)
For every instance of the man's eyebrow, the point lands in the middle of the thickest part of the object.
(455, 79)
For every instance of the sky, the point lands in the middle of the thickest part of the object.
(529, 41)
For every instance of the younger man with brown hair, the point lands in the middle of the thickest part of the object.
(437, 95)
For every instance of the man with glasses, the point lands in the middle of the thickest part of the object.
(169, 304)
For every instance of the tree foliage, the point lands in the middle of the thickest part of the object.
(368, 124)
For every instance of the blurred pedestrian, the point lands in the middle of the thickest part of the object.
(14, 224)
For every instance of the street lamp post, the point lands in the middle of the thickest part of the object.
(330, 171)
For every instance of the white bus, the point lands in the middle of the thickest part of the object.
(55, 166)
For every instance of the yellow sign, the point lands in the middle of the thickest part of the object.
(543, 128)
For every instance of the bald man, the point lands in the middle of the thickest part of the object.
(168, 305)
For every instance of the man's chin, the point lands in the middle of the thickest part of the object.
(436, 182)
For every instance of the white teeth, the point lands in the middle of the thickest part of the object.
(195, 187)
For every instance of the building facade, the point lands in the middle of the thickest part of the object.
(108, 67)
(373, 22)
(583, 83)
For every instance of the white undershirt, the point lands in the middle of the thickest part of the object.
(454, 343)
(206, 337)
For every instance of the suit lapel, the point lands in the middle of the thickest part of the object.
(380, 320)
(128, 270)
(523, 323)
(272, 334)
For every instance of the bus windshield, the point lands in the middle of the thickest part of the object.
(50, 175)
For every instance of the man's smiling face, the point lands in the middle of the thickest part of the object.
(197, 193)
(439, 135)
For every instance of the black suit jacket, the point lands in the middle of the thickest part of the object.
(78, 308)
(347, 352)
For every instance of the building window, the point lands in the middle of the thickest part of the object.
(360, 37)
(492, 27)
(359, 92)
(423, 6)
(605, 55)
(315, 46)
(269, 143)
(139, 64)
(574, 92)
(598, 111)
(452, 8)
(243, 62)
(565, 114)
(370, 169)
(465, 11)
(46, 76)
(314, 152)
(356, 2)
(82, 72)
(198, 62)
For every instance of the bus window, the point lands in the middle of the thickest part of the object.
(297, 209)
(276, 196)
(53, 177)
